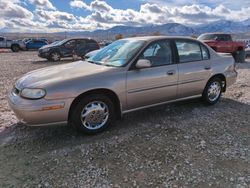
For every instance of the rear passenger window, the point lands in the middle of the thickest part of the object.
(188, 51)
(92, 44)
(205, 53)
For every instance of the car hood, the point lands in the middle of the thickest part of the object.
(49, 46)
(42, 78)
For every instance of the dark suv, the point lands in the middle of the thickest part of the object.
(68, 48)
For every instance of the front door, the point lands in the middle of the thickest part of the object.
(68, 48)
(155, 84)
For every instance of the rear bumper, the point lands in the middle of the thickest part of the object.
(40, 112)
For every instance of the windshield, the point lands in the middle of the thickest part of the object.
(117, 53)
(54, 43)
(207, 37)
(62, 41)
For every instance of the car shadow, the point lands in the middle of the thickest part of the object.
(244, 65)
(58, 136)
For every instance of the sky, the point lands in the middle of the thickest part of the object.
(88, 15)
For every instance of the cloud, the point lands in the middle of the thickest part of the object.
(79, 4)
(43, 4)
(101, 15)
(102, 6)
(12, 10)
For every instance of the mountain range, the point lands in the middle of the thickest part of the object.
(169, 29)
(240, 29)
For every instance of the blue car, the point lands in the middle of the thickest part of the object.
(35, 44)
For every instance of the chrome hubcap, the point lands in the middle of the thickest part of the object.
(55, 56)
(214, 91)
(94, 115)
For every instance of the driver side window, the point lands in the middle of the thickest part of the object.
(70, 44)
(158, 53)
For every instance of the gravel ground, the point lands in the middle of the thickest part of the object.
(184, 144)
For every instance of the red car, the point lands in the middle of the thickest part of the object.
(221, 42)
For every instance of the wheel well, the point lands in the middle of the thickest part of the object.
(105, 92)
(15, 45)
(53, 51)
(222, 78)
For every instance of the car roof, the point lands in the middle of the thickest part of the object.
(80, 38)
(152, 38)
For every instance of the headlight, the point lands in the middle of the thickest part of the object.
(33, 93)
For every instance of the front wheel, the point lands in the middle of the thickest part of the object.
(92, 114)
(212, 91)
(55, 56)
(15, 48)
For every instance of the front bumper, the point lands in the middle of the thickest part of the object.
(43, 54)
(40, 112)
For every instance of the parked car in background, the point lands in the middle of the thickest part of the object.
(222, 42)
(68, 48)
(247, 52)
(40, 39)
(14, 45)
(35, 44)
(129, 74)
(105, 43)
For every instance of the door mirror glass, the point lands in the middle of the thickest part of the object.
(143, 63)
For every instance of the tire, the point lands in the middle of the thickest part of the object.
(55, 56)
(88, 115)
(239, 56)
(212, 92)
(15, 48)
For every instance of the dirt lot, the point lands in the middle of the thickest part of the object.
(184, 144)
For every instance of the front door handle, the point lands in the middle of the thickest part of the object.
(207, 67)
(171, 72)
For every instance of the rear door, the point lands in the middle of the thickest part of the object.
(80, 49)
(194, 67)
(156, 84)
(92, 45)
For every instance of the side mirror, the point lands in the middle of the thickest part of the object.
(143, 63)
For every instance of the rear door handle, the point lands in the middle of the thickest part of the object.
(207, 67)
(171, 72)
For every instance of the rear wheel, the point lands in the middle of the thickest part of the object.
(92, 114)
(15, 48)
(55, 56)
(212, 91)
(239, 56)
